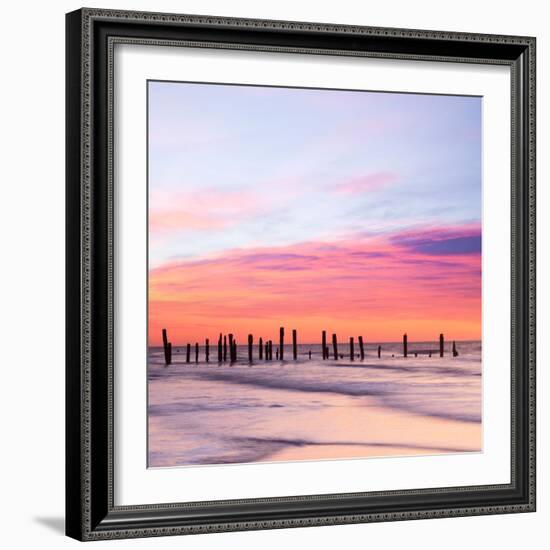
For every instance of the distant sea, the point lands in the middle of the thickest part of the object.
(310, 409)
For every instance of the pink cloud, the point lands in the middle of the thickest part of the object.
(206, 209)
(180, 220)
(212, 208)
(366, 183)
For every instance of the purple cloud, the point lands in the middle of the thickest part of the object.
(441, 243)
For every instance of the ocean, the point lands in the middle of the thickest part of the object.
(313, 409)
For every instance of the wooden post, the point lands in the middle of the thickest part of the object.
(335, 347)
(225, 348)
(310, 354)
(230, 337)
(220, 352)
(234, 355)
(207, 350)
(269, 351)
(455, 352)
(361, 348)
(404, 345)
(351, 350)
(324, 344)
(379, 351)
(196, 352)
(250, 342)
(188, 357)
(281, 342)
(167, 348)
(441, 345)
(294, 344)
(261, 347)
(277, 354)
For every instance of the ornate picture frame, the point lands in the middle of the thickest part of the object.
(91, 509)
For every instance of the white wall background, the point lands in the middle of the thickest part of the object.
(32, 270)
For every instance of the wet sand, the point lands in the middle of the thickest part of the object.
(359, 427)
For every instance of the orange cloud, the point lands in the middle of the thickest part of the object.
(422, 283)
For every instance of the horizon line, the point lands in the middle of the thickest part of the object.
(365, 343)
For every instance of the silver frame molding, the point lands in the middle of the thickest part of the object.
(91, 37)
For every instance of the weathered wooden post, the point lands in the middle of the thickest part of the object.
(188, 356)
(225, 348)
(269, 350)
(167, 348)
(294, 344)
(281, 342)
(207, 350)
(351, 351)
(324, 344)
(455, 352)
(196, 352)
(404, 345)
(234, 357)
(261, 347)
(310, 354)
(379, 351)
(361, 348)
(335, 347)
(277, 354)
(220, 352)
(441, 345)
(230, 337)
(250, 342)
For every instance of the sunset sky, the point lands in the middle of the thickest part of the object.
(355, 212)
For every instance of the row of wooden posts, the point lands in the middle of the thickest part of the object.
(227, 347)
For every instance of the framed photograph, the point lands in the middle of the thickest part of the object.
(300, 274)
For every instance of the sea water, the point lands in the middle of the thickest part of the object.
(306, 409)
